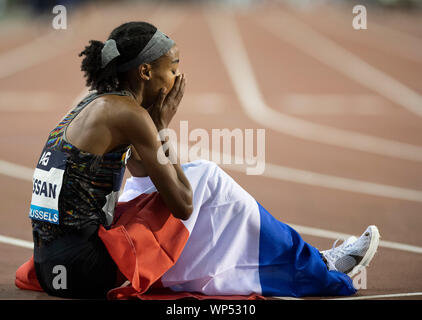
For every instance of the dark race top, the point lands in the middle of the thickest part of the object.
(73, 189)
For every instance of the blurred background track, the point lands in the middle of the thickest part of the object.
(342, 110)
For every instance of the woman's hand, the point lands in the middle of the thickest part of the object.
(165, 107)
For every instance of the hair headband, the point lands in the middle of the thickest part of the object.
(158, 45)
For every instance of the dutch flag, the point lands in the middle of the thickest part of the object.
(230, 245)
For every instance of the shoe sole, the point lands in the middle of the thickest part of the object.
(370, 253)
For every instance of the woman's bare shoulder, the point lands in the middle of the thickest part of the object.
(127, 119)
(120, 108)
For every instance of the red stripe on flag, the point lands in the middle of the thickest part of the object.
(145, 241)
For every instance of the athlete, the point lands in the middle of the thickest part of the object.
(136, 88)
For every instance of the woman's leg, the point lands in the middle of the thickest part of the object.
(75, 266)
(236, 247)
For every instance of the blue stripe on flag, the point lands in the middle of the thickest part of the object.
(288, 266)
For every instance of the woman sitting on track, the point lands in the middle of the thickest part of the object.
(229, 244)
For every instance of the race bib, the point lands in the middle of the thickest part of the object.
(47, 183)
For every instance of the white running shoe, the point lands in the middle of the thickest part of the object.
(345, 243)
(354, 254)
(329, 263)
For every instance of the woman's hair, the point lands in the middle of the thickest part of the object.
(131, 38)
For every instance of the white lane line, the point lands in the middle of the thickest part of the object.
(339, 183)
(410, 45)
(303, 230)
(12, 27)
(321, 233)
(274, 172)
(54, 43)
(16, 171)
(233, 54)
(310, 178)
(333, 55)
(287, 298)
(32, 101)
(16, 242)
(212, 103)
(332, 104)
(37, 51)
(271, 171)
(381, 296)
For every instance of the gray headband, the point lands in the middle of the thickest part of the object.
(158, 45)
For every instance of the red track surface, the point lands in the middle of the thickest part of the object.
(392, 44)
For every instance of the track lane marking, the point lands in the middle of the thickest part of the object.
(321, 233)
(410, 47)
(17, 242)
(234, 57)
(16, 170)
(303, 230)
(28, 101)
(271, 171)
(33, 53)
(381, 296)
(46, 47)
(331, 104)
(274, 171)
(328, 52)
(310, 178)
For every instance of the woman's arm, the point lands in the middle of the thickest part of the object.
(135, 125)
(135, 164)
(174, 188)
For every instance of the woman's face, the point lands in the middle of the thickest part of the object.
(162, 74)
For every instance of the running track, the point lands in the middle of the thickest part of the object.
(342, 111)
